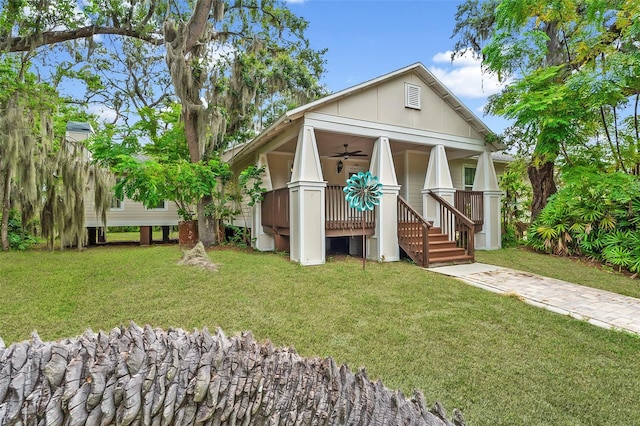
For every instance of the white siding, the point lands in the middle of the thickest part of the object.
(417, 171)
(385, 103)
(131, 214)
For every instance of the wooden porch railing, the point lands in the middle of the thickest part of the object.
(456, 225)
(413, 233)
(471, 204)
(275, 211)
(340, 219)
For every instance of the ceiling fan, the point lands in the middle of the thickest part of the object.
(346, 154)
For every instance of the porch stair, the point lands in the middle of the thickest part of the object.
(415, 234)
(441, 249)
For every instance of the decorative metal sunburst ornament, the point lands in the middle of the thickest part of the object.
(363, 193)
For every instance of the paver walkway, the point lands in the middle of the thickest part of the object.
(598, 307)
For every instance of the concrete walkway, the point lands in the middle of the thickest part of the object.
(598, 307)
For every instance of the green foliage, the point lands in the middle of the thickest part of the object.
(150, 182)
(228, 201)
(515, 202)
(594, 214)
(572, 69)
(162, 170)
(19, 238)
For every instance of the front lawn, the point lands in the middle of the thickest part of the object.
(568, 269)
(499, 360)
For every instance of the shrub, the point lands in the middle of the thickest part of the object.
(19, 238)
(594, 214)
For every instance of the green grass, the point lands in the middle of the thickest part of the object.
(572, 270)
(501, 361)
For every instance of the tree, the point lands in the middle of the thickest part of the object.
(269, 54)
(570, 85)
(160, 169)
(234, 55)
(41, 174)
(146, 376)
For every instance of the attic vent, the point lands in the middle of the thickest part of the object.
(412, 96)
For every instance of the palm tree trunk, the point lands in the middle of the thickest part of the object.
(153, 377)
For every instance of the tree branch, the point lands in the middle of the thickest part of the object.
(26, 43)
(198, 23)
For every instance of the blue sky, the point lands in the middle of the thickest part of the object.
(369, 38)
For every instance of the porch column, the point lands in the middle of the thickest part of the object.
(383, 245)
(438, 180)
(307, 202)
(490, 238)
(260, 239)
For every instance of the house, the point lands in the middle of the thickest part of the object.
(125, 212)
(440, 200)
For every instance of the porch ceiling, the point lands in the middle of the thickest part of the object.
(330, 144)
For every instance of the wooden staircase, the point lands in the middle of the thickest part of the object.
(443, 250)
(414, 233)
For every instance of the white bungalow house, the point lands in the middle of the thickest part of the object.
(124, 212)
(440, 191)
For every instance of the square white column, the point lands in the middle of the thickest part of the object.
(307, 202)
(383, 245)
(490, 237)
(438, 180)
(260, 240)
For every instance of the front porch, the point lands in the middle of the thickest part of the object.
(451, 241)
(303, 216)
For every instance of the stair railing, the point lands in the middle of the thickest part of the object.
(460, 228)
(413, 233)
(471, 204)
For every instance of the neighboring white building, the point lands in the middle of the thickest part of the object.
(427, 148)
(124, 212)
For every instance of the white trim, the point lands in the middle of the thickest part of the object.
(283, 137)
(464, 183)
(306, 183)
(374, 130)
(278, 153)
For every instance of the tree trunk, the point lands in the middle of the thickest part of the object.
(191, 124)
(6, 204)
(207, 224)
(184, 45)
(145, 376)
(543, 186)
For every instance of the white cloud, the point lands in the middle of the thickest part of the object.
(467, 58)
(464, 76)
(103, 112)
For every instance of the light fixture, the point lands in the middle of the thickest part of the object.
(340, 166)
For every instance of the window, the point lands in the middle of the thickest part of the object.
(162, 205)
(412, 96)
(116, 204)
(469, 177)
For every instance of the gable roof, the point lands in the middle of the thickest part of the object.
(431, 80)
